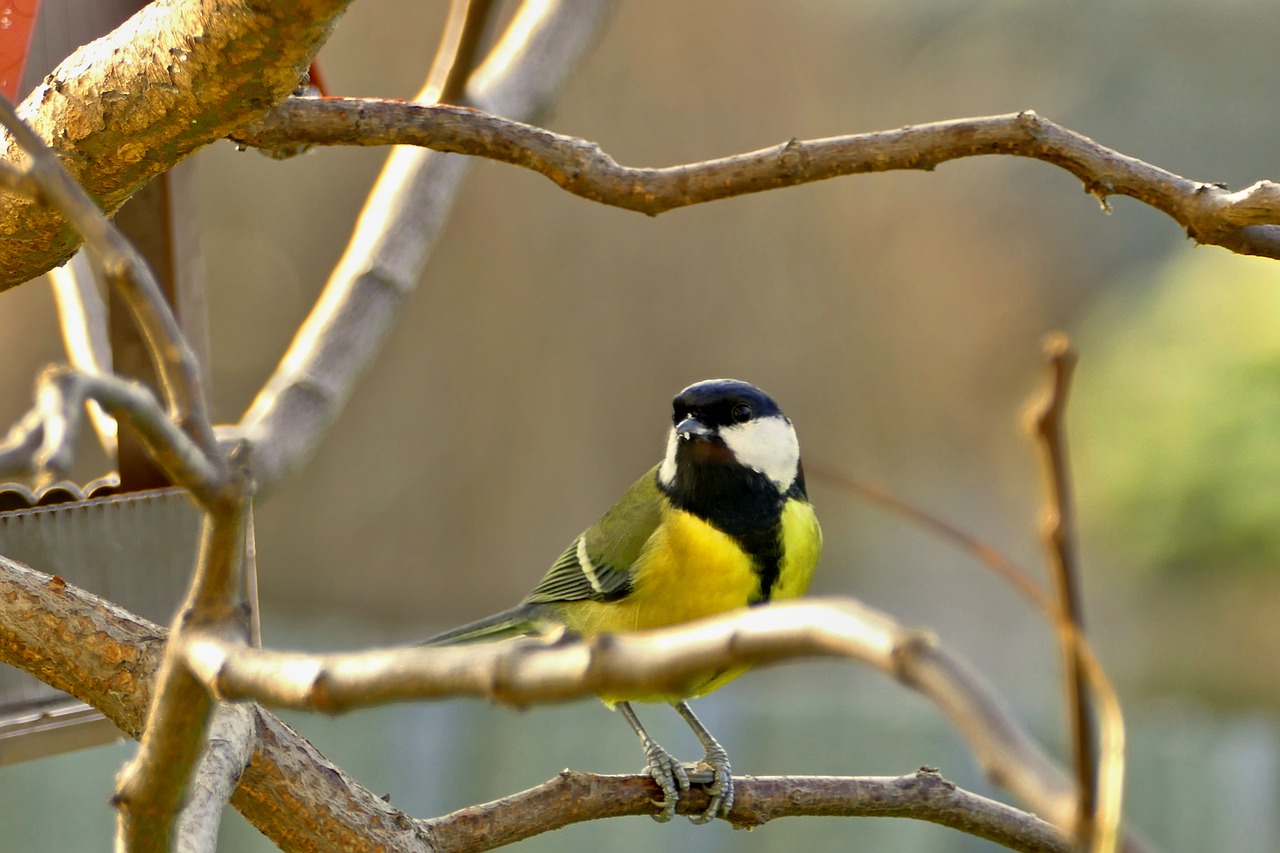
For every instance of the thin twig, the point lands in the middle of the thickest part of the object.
(62, 393)
(22, 445)
(1111, 761)
(984, 552)
(82, 317)
(1047, 417)
(1247, 221)
(124, 269)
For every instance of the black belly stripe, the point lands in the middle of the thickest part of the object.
(745, 505)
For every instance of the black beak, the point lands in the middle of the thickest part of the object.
(691, 428)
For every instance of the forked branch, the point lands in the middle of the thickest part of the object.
(109, 658)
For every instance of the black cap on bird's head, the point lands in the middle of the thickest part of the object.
(727, 424)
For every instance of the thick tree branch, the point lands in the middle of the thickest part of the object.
(1247, 221)
(524, 671)
(152, 788)
(105, 656)
(121, 110)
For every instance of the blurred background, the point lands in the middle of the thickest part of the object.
(897, 318)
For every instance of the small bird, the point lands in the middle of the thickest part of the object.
(722, 522)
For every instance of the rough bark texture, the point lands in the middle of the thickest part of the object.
(119, 111)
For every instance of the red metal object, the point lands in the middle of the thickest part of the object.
(17, 22)
(318, 79)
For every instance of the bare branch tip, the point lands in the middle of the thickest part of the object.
(1058, 346)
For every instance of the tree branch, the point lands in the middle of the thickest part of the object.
(103, 655)
(226, 754)
(1096, 820)
(47, 436)
(524, 671)
(1247, 221)
(572, 797)
(984, 552)
(83, 319)
(124, 270)
(393, 239)
(456, 56)
(123, 109)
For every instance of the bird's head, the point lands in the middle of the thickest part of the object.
(722, 426)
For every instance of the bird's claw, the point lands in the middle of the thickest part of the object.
(721, 788)
(671, 778)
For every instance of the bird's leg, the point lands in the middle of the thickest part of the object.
(721, 788)
(665, 770)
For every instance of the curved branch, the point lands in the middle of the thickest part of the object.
(524, 671)
(47, 436)
(123, 109)
(393, 240)
(1247, 221)
(573, 797)
(127, 273)
(105, 656)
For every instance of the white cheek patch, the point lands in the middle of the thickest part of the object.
(667, 472)
(767, 445)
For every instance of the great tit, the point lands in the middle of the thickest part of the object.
(722, 522)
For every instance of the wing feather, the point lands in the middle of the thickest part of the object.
(597, 566)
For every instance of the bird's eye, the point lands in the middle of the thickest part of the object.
(740, 413)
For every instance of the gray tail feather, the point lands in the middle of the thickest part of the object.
(521, 619)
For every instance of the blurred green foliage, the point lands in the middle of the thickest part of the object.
(1178, 418)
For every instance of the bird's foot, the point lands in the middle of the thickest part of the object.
(721, 788)
(670, 776)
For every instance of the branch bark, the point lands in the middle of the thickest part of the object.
(226, 754)
(121, 110)
(1247, 221)
(573, 797)
(527, 671)
(105, 656)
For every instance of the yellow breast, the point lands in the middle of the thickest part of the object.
(690, 570)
